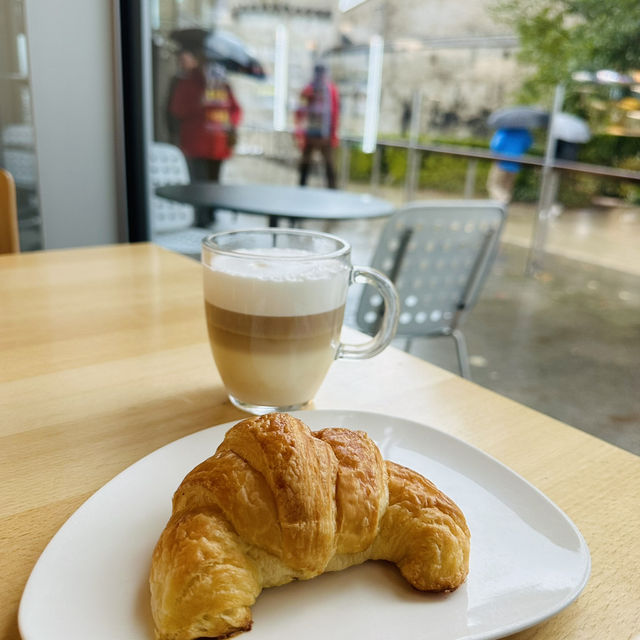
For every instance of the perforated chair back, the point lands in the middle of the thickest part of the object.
(167, 166)
(438, 254)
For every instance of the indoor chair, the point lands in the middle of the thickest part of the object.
(172, 222)
(438, 254)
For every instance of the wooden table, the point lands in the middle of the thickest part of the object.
(105, 358)
(280, 201)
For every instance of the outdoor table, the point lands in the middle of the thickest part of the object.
(279, 201)
(105, 358)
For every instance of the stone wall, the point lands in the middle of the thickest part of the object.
(455, 54)
(421, 19)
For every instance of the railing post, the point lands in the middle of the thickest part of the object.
(548, 191)
(470, 178)
(413, 155)
(345, 164)
(375, 169)
(413, 167)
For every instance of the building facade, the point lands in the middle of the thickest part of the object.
(455, 57)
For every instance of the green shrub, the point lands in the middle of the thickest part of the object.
(394, 165)
(482, 172)
(630, 191)
(527, 185)
(442, 172)
(577, 189)
(360, 165)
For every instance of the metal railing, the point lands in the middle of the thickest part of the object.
(279, 146)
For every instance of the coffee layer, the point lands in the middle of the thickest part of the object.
(262, 285)
(274, 361)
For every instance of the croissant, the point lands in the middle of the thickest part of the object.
(278, 502)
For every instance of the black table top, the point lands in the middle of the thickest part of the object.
(279, 200)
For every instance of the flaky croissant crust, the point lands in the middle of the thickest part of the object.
(278, 502)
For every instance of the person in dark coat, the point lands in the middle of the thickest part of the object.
(208, 114)
(317, 124)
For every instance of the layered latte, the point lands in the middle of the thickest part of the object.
(274, 321)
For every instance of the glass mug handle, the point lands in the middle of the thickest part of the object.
(389, 322)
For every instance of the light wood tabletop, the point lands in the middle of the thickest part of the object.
(105, 358)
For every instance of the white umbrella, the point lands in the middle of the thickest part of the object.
(570, 128)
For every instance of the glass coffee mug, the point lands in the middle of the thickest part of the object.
(274, 301)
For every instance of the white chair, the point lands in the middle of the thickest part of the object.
(438, 254)
(21, 163)
(172, 222)
(18, 135)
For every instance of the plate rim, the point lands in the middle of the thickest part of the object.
(584, 547)
(360, 414)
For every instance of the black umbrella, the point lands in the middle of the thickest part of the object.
(518, 118)
(221, 47)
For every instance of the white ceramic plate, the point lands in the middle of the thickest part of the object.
(528, 560)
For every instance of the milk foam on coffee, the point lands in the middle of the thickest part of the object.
(254, 284)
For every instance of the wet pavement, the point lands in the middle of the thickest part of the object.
(566, 343)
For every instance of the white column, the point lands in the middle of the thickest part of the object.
(281, 78)
(71, 57)
(374, 86)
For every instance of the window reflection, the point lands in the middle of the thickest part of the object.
(17, 135)
(285, 40)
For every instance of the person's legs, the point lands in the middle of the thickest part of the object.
(199, 171)
(204, 170)
(327, 154)
(213, 170)
(305, 161)
(213, 175)
(508, 181)
(500, 183)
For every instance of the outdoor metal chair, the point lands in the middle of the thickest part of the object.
(438, 254)
(172, 222)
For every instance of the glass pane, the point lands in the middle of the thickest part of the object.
(17, 135)
(264, 55)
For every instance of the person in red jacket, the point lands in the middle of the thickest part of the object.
(317, 124)
(208, 113)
